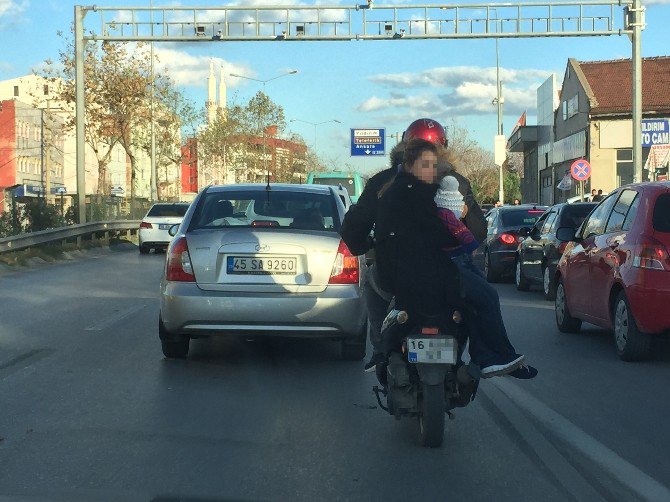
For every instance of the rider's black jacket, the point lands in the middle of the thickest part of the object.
(409, 242)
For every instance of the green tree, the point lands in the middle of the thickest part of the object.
(512, 186)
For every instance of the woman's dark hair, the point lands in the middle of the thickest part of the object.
(413, 150)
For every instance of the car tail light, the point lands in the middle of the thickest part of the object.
(145, 224)
(651, 254)
(508, 238)
(179, 267)
(345, 268)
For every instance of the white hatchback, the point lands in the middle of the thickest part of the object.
(154, 228)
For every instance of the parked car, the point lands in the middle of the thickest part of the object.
(250, 260)
(540, 251)
(615, 271)
(502, 238)
(153, 233)
(351, 181)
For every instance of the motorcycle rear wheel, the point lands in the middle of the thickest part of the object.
(431, 416)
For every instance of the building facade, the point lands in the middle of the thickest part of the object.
(592, 120)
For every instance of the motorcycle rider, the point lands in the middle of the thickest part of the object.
(360, 220)
(411, 239)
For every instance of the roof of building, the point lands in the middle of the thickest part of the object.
(609, 84)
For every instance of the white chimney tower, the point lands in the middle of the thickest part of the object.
(211, 94)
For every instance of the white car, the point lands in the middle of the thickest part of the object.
(155, 225)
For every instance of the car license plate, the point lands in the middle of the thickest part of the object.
(164, 226)
(266, 265)
(434, 350)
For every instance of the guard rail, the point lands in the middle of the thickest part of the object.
(97, 230)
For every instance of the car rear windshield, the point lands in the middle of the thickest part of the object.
(661, 218)
(574, 215)
(347, 183)
(266, 209)
(168, 210)
(520, 217)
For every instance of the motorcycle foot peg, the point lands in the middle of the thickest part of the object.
(451, 415)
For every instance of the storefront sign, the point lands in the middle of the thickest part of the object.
(655, 132)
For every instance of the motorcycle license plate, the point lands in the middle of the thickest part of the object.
(432, 350)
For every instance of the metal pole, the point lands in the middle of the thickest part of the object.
(79, 48)
(42, 153)
(637, 88)
(501, 190)
(154, 174)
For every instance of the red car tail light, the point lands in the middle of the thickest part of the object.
(508, 238)
(345, 268)
(651, 254)
(178, 267)
(144, 224)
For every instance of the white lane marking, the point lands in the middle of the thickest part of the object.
(106, 322)
(560, 468)
(513, 303)
(626, 473)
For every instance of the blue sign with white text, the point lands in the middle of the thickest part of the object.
(655, 132)
(367, 142)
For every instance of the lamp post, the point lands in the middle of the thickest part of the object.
(316, 124)
(499, 100)
(290, 72)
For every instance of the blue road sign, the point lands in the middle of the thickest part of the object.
(367, 142)
(655, 132)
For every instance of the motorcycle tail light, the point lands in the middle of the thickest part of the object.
(429, 331)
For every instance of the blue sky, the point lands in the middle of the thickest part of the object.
(376, 84)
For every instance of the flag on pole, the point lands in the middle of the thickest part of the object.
(520, 123)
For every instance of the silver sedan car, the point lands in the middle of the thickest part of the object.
(263, 260)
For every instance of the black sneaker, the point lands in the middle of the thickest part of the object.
(501, 365)
(524, 372)
(372, 363)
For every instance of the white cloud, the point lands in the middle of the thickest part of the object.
(455, 91)
(192, 71)
(11, 11)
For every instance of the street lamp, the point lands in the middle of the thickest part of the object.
(315, 124)
(290, 72)
(499, 100)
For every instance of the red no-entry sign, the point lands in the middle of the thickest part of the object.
(580, 170)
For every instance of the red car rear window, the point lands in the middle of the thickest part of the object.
(661, 218)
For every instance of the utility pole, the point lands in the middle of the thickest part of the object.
(47, 158)
(499, 143)
(42, 187)
(635, 19)
(154, 174)
(80, 110)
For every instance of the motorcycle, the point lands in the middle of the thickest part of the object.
(425, 376)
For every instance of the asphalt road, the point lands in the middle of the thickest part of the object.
(90, 409)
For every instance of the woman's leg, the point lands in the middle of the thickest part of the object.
(488, 327)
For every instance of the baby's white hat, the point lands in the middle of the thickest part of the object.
(448, 196)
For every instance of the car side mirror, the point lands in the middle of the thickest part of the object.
(565, 234)
(173, 230)
(524, 232)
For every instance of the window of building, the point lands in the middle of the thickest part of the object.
(46, 89)
(624, 166)
(16, 91)
(565, 110)
(573, 105)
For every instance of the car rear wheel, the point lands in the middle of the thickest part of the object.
(353, 349)
(522, 284)
(548, 284)
(490, 274)
(565, 322)
(631, 344)
(173, 347)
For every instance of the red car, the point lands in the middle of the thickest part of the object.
(615, 271)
